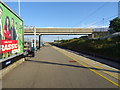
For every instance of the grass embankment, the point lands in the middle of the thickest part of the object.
(109, 47)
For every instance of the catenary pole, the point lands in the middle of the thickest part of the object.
(19, 6)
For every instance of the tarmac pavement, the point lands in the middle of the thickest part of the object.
(52, 69)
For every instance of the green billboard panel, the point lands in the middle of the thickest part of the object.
(11, 32)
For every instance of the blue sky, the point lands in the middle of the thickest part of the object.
(65, 14)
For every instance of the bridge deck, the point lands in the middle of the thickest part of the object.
(59, 31)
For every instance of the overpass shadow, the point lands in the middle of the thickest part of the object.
(69, 65)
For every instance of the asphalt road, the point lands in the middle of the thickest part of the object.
(51, 69)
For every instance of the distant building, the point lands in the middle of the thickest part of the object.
(119, 9)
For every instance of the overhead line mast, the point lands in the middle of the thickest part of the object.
(19, 7)
(119, 9)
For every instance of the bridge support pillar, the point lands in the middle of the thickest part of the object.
(91, 35)
(39, 40)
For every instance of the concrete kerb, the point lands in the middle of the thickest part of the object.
(4, 71)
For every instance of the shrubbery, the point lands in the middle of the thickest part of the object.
(109, 47)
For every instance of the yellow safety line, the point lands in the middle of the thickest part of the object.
(99, 67)
(92, 70)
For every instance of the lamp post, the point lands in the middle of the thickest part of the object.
(103, 23)
(19, 7)
(119, 9)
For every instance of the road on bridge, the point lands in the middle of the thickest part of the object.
(52, 69)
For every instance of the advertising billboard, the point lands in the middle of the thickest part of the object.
(11, 33)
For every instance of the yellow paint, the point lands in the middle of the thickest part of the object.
(92, 70)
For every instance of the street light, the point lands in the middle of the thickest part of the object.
(19, 6)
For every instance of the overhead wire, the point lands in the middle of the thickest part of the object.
(105, 19)
(96, 10)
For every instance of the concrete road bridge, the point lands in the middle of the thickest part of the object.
(63, 31)
(59, 31)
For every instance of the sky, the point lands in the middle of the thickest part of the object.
(66, 14)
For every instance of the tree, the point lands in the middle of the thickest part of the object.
(115, 25)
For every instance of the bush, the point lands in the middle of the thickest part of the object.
(109, 47)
